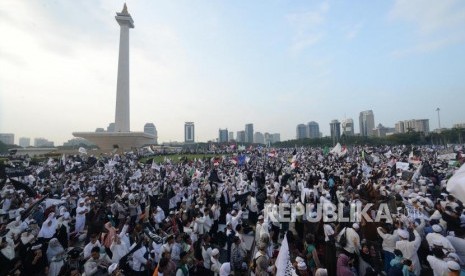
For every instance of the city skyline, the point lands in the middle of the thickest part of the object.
(274, 64)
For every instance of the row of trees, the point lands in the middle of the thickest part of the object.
(449, 136)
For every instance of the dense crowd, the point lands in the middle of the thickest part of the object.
(113, 215)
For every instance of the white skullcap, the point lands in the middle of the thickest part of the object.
(112, 268)
(301, 266)
(215, 252)
(321, 272)
(453, 265)
(436, 215)
(437, 242)
(355, 226)
(455, 257)
(299, 259)
(403, 234)
(437, 228)
(35, 247)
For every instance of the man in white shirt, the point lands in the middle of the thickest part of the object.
(94, 242)
(409, 248)
(439, 238)
(96, 263)
(353, 239)
(458, 242)
(389, 244)
(140, 260)
(215, 263)
(81, 212)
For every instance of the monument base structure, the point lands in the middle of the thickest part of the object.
(108, 141)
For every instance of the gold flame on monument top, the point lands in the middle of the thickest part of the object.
(125, 9)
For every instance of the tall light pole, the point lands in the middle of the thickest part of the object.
(439, 119)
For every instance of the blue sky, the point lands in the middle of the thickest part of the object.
(227, 63)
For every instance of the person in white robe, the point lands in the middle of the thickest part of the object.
(55, 257)
(81, 212)
(409, 248)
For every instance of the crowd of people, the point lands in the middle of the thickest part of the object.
(114, 215)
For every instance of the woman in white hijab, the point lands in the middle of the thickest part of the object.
(55, 257)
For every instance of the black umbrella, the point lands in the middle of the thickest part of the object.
(23, 186)
(29, 210)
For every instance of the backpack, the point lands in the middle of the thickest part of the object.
(253, 264)
(343, 239)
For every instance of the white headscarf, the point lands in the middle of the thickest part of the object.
(54, 248)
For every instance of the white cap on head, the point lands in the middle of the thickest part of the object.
(35, 247)
(436, 215)
(403, 234)
(455, 257)
(355, 226)
(453, 265)
(112, 268)
(437, 228)
(215, 252)
(301, 266)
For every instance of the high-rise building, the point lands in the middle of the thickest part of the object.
(276, 137)
(335, 127)
(259, 138)
(231, 136)
(421, 125)
(7, 138)
(240, 137)
(111, 127)
(189, 132)
(367, 123)
(24, 142)
(42, 143)
(458, 125)
(151, 129)
(348, 127)
(223, 135)
(399, 127)
(249, 133)
(382, 131)
(313, 130)
(301, 131)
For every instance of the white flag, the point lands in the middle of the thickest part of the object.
(402, 165)
(137, 174)
(337, 149)
(283, 261)
(456, 184)
(50, 162)
(155, 166)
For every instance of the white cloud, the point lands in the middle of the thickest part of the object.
(307, 27)
(437, 24)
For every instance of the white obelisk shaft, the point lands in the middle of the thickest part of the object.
(122, 87)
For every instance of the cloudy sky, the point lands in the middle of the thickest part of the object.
(273, 63)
